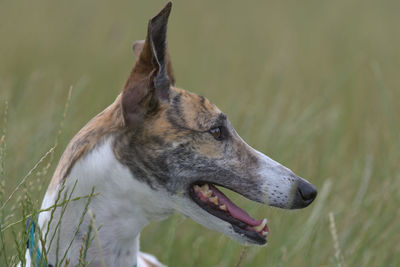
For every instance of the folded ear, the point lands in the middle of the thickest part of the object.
(137, 48)
(149, 83)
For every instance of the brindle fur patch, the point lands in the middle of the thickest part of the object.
(192, 111)
(174, 148)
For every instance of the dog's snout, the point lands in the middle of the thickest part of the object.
(304, 195)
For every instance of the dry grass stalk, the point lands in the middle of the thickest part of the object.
(338, 254)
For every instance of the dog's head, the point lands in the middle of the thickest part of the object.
(181, 144)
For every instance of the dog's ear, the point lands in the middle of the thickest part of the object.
(137, 48)
(149, 83)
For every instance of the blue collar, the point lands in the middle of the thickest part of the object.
(34, 251)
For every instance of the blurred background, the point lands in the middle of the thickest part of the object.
(313, 84)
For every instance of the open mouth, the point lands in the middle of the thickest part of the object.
(209, 198)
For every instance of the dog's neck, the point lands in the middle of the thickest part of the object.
(123, 207)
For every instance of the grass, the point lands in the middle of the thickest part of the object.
(313, 84)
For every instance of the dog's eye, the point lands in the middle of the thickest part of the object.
(216, 132)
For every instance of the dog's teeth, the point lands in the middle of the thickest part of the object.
(258, 228)
(214, 200)
(208, 193)
(265, 233)
(223, 207)
(205, 187)
(196, 188)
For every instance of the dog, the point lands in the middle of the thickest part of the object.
(156, 150)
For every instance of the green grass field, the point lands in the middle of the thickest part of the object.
(313, 84)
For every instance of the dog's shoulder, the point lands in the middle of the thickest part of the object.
(102, 125)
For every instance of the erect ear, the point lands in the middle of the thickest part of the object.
(137, 48)
(149, 83)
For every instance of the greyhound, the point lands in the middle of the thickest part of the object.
(155, 150)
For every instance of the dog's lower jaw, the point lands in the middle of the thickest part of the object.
(123, 207)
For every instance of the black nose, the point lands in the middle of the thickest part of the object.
(304, 195)
(307, 191)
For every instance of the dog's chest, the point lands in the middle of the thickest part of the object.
(121, 207)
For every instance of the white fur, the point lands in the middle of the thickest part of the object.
(143, 257)
(277, 182)
(122, 208)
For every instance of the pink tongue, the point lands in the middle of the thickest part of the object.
(234, 210)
